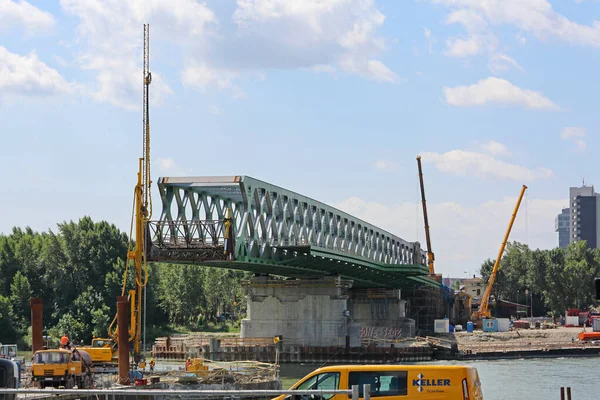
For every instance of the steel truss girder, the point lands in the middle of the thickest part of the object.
(270, 223)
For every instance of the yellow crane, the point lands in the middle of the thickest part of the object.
(483, 311)
(430, 255)
(141, 215)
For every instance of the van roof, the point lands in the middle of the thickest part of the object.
(383, 367)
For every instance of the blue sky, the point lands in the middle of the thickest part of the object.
(333, 99)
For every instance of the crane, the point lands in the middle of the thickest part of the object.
(430, 255)
(483, 311)
(141, 215)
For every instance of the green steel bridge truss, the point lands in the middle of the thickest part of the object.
(277, 232)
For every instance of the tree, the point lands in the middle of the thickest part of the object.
(20, 296)
(7, 333)
(100, 321)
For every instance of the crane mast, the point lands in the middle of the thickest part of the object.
(142, 214)
(483, 311)
(430, 255)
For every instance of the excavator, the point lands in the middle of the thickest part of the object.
(105, 350)
(483, 311)
(430, 255)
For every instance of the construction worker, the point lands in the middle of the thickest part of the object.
(64, 342)
(152, 363)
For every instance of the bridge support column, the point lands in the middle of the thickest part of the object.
(381, 314)
(306, 312)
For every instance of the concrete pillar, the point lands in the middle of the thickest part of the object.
(123, 338)
(37, 323)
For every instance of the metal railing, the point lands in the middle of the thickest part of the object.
(229, 394)
(187, 234)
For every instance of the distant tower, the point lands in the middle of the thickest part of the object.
(584, 215)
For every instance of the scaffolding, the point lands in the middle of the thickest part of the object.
(425, 304)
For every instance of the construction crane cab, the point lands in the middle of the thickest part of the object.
(483, 311)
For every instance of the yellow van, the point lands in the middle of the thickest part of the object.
(426, 382)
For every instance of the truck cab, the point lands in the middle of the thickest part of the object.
(61, 368)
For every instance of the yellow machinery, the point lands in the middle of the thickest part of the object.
(61, 368)
(430, 255)
(197, 367)
(483, 311)
(103, 351)
(141, 215)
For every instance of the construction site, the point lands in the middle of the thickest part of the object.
(327, 288)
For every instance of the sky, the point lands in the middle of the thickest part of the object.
(333, 99)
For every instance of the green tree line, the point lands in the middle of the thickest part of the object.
(78, 272)
(552, 280)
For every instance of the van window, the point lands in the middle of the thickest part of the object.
(326, 381)
(383, 383)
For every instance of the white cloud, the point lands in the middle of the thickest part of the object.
(28, 76)
(323, 68)
(534, 16)
(292, 34)
(214, 110)
(495, 148)
(461, 162)
(386, 165)
(265, 34)
(502, 62)
(576, 135)
(110, 36)
(464, 237)
(170, 167)
(23, 13)
(430, 40)
(471, 20)
(496, 90)
(571, 132)
(203, 77)
(457, 47)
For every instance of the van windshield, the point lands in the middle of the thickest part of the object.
(50, 358)
(325, 381)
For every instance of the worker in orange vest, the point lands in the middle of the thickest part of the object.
(64, 342)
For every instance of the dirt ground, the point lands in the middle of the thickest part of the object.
(559, 337)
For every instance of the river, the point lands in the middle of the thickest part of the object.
(537, 379)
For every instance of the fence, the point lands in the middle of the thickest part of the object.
(108, 394)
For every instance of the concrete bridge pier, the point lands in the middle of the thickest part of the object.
(323, 312)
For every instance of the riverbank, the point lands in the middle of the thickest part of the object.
(524, 343)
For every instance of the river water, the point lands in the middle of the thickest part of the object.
(537, 379)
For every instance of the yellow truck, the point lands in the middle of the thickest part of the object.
(62, 368)
(391, 382)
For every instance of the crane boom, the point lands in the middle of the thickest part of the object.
(430, 255)
(484, 311)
